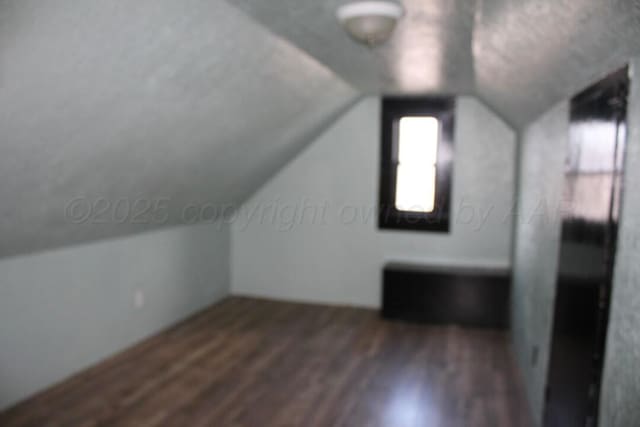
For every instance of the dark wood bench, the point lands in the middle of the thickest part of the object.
(477, 297)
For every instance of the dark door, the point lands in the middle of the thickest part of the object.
(591, 203)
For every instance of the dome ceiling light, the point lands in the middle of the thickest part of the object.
(370, 22)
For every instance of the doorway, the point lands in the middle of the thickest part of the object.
(590, 209)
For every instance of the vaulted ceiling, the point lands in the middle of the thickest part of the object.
(143, 101)
(199, 101)
(518, 56)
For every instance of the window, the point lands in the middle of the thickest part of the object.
(416, 164)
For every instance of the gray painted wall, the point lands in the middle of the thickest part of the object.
(620, 402)
(64, 310)
(537, 242)
(310, 233)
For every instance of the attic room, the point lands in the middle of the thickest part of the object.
(389, 213)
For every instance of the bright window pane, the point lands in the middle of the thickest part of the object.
(415, 188)
(418, 140)
(417, 156)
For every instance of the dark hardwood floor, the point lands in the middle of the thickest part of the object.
(248, 362)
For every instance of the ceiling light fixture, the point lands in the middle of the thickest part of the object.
(370, 22)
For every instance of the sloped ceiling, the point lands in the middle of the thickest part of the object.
(128, 112)
(431, 50)
(531, 54)
(519, 56)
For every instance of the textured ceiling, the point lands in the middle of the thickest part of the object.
(431, 50)
(531, 54)
(519, 56)
(199, 101)
(189, 101)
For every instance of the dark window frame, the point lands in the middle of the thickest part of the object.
(394, 108)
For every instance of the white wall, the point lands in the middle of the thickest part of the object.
(310, 232)
(537, 245)
(64, 310)
(620, 392)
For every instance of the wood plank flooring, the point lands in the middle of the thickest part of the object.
(249, 362)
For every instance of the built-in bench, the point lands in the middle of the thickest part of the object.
(477, 297)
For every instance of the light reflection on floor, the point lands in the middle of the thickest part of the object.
(411, 406)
